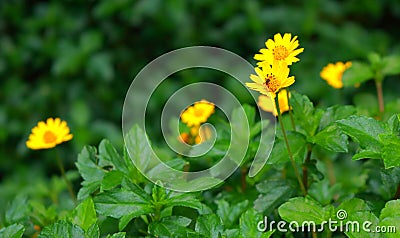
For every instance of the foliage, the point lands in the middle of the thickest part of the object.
(76, 60)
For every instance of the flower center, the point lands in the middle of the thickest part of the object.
(280, 52)
(271, 83)
(49, 137)
(198, 112)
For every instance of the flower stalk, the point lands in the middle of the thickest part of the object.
(64, 176)
(293, 162)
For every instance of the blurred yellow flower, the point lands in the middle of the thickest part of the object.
(48, 135)
(281, 49)
(270, 79)
(197, 135)
(332, 73)
(198, 113)
(184, 138)
(268, 104)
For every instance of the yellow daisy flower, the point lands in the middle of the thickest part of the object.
(198, 113)
(267, 104)
(270, 79)
(332, 73)
(281, 49)
(48, 135)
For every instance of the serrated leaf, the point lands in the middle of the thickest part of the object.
(273, 194)
(12, 231)
(364, 130)
(390, 218)
(302, 209)
(91, 173)
(391, 150)
(356, 210)
(62, 229)
(84, 215)
(336, 113)
(183, 199)
(93, 231)
(117, 235)
(297, 143)
(107, 153)
(230, 214)
(304, 114)
(118, 203)
(367, 154)
(249, 225)
(138, 148)
(170, 227)
(111, 180)
(357, 73)
(331, 138)
(209, 225)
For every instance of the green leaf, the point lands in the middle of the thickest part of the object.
(118, 203)
(367, 154)
(249, 225)
(209, 225)
(300, 209)
(394, 124)
(390, 218)
(230, 214)
(364, 130)
(391, 150)
(17, 210)
(62, 229)
(183, 199)
(331, 138)
(117, 235)
(335, 113)
(93, 231)
(91, 173)
(170, 227)
(357, 73)
(138, 148)
(240, 135)
(12, 231)
(297, 143)
(323, 192)
(84, 215)
(356, 210)
(107, 153)
(391, 65)
(111, 180)
(273, 194)
(304, 114)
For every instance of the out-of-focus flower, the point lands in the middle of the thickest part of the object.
(198, 113)
(48, 135)
(332, 73)
(267, 104)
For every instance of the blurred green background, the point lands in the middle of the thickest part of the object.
(76, 60)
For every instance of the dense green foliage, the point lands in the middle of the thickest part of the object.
(76, 60)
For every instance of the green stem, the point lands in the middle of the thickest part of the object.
(288, 146)
(290, 111)
(64, 176)
(379, 93)
(243, 178)
(305, 168)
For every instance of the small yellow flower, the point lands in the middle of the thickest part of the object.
(48, 135)
(198, 113)
(184, 138)
(333, 73)
(270, 79)
(203, 134)
(279, 50)
(267, 104)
